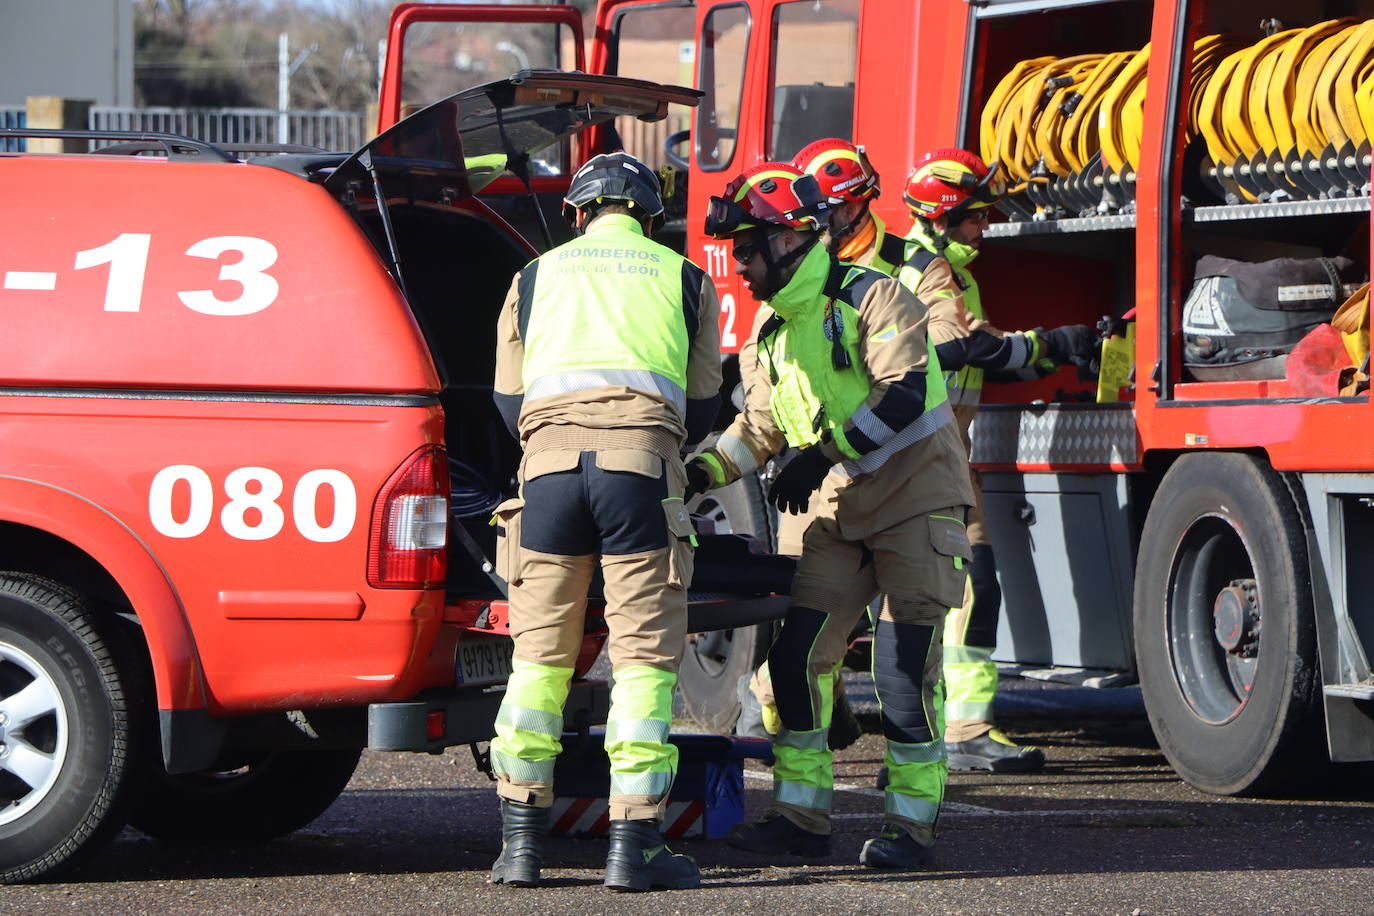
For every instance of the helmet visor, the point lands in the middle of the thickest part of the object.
(725, 217)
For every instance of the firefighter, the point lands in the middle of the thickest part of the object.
(853, 234)
(949, 193)
(841, 374)
(607, 362)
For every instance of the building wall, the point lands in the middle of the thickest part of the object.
(81, 49)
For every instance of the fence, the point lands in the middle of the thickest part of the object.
(12, 116)
(331, 130)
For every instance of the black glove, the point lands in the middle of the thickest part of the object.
(791, 492)
(1071, 343)
(698, 480)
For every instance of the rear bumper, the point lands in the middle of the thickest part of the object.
(469, 714)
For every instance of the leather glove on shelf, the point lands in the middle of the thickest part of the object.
(792, 490)
(1070, 343)
(698, 480)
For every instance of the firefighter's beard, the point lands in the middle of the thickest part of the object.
(778, 270)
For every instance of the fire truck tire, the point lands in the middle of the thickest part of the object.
(1224, 633)
(266, 797)
(70, 732)
(713, 664)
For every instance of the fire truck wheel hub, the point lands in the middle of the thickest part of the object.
(1236, 617)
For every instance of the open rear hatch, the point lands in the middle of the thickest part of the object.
(450, 151)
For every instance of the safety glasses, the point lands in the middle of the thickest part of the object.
(743, 251)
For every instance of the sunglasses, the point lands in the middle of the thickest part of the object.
(743, 252)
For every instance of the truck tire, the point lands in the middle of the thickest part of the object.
(1224, 634)
(272, 794)
(713, 664)
(70, 695)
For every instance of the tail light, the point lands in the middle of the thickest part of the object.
(408, 544)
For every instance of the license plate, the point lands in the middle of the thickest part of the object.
(485, 661)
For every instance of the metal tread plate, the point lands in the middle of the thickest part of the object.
(1094, 435)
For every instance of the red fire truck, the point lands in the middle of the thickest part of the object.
(1200, 531)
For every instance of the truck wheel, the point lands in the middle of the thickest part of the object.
(714, 662)
(69, 695)
(1224, 632)
(272, 794)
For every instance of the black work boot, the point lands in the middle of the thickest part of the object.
(523, 831)
(893, 847)
(996, 752)
(775, 835)
(640, 860)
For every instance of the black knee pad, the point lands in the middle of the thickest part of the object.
(899, 660)
(987, 599)
(787, 666)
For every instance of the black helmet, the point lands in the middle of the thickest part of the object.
(614, 176)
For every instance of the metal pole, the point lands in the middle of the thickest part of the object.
(283, 86)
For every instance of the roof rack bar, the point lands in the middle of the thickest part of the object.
(175, 145)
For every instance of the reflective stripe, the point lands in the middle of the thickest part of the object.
(973, 655)
(739, 453)
(803, 741)
(970, 683)
(793, 793)
(929, 752)
(536, 771)
(1022, 348)
(651, 784)
(530, 720)
(867, 422)
(636, 730)
(924, 426)
(642, 760)
(921, 810)
(583, 379)
(956, 711)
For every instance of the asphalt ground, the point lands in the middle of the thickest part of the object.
(1106, 828)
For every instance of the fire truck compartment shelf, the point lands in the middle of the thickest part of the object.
(1223, 213)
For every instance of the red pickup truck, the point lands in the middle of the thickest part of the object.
(249, 459)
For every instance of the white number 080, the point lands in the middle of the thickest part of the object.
(234, 516)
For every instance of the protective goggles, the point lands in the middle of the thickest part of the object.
(726, 217)
(989, 189)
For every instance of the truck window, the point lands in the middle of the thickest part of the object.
(442, 58)
(724, 45)
(815, 48)
(653, 43)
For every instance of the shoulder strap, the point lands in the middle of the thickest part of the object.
(849, 283)
(893, 249)
(920, 259)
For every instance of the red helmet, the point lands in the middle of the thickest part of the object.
(951, 182)
(841, 169)
(768, 194)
